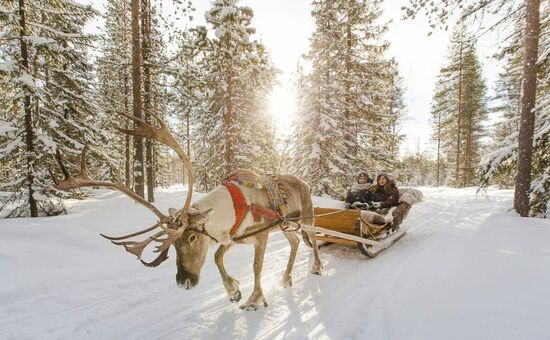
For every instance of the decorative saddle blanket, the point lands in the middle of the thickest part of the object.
(268, 183)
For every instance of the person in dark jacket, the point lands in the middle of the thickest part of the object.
(383, 194)
(359, 194)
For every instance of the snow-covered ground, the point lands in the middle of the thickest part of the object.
(467, 269)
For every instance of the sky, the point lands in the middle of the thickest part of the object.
(285, 27)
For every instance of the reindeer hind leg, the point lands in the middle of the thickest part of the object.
(294, 242)
(317, 267)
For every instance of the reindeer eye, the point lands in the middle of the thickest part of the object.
(192, 239)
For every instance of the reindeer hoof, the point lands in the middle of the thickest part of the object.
(252, 307)
(249, 308)
(236, 297)
(254, 304)
(287, 283)
(317, 269)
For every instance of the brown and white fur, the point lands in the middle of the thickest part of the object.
(216, 211)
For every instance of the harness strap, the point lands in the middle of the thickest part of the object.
(241, 208)
(258, 212)
(239, 204)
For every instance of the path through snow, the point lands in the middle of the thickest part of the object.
(466, 269)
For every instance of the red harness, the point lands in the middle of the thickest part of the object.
(241, 208)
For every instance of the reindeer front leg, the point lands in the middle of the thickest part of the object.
(231, 285)
(257, 299)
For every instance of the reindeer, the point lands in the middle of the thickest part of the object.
(211, 219)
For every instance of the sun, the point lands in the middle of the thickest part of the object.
(282, 106)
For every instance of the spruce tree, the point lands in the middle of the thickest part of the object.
(47, 74)
(439, 13)
(353, 96)
(459, 111)
(234, 130)
(114, 75)
(500, 164)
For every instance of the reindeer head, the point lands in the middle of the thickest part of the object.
(191, 249)
(181, 228)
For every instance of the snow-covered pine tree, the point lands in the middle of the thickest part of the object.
(155, 88)
(324, 147)
(353, 98)
(235, 131)
(160, 97)
(417, 169)
(459, 110)
(392, 112)
(189, 93)
(45, 70)
(116, 86)
(114, 73)
(256, 133)
(501, 163)
(441, 107)
(439, 12)
(310, 137)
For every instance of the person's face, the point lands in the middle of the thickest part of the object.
(382, 180)
(362, 179)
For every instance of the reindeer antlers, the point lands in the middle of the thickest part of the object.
(172, 225)
(163, 135)
(69, 182)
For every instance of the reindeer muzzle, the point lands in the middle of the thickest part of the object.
(186, 280)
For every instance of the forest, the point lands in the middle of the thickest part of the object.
(63, 88)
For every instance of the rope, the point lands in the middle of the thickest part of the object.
(286, 230)
(313, 216)
(267, 227)
(282, 220)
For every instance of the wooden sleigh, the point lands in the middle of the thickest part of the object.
(348, 228)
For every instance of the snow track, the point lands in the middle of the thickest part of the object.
(466, 269)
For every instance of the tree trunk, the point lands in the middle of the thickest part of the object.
(527, 119)
(136, 91)
(438, 148)
(146, 52)
(127, 150)
(469, 151)
(458, 116)
(188, 136)
(227, 156)
(29, 135)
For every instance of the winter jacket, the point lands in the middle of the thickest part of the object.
(362, 196)
(388, 194)
(359, 191)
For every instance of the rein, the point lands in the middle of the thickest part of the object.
(313, 216)
(204, 232)
(280, 221)
(269, 226)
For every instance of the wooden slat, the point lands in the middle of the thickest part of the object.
(343, 221)
(339, 234)
(336, 240)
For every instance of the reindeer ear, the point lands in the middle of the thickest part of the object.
(207, 212)
(198, 217)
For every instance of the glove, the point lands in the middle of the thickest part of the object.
(377, 205)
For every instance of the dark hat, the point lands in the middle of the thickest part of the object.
(362, 174)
